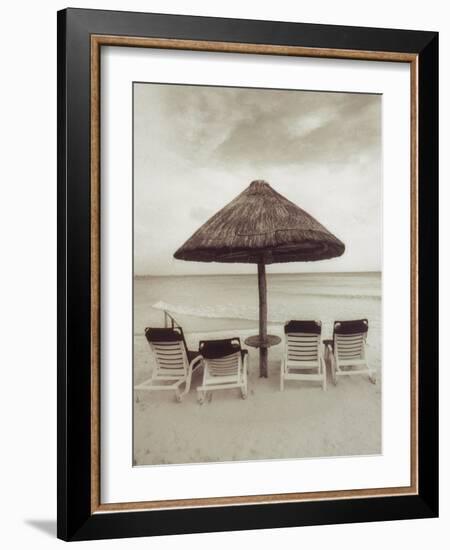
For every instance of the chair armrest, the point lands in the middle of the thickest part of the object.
(198, 359)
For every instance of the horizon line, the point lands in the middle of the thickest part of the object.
(251, 274)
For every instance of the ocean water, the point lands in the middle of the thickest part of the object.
(203, 304)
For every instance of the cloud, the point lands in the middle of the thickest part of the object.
(241, 126)
(197, 147)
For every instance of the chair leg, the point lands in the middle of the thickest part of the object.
(187, 386)
(324, 374)
(201, 397)
(333, 370)
(282, 375)
(178, 396)
(244, 391)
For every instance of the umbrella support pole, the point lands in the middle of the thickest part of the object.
(262, 287)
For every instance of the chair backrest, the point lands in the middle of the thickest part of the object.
(349, 338)
(169, 348)
(302, 340)
(222, 357)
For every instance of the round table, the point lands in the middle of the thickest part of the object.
(263, 345)
(256, 342)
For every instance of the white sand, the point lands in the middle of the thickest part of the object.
(303, 421)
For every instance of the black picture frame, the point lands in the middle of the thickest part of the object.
(75, 518)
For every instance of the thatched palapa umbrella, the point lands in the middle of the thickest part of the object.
(260, 226)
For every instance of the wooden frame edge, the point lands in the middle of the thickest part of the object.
(243, 500)
(237, 47)
(231, 47)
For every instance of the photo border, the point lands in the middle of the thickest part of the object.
(81, 34)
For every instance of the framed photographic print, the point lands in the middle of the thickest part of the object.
(247, 274)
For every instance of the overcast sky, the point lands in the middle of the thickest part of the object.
(196, 148)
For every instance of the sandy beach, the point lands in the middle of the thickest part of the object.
(301, 422)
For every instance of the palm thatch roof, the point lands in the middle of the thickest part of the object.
(260, 225)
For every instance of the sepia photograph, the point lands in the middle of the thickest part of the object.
(257, 274)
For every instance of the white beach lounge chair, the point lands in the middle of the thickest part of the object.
(173, 362)
(225, 366)
(348, 349)
(302, 357)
